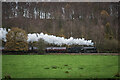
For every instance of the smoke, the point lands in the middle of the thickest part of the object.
(58, 40)
(51, 39)
(3, 33)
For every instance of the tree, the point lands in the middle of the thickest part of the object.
(16, 40)
(41, 44)
(108, 31)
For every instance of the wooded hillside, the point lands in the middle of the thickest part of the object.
(95, 21)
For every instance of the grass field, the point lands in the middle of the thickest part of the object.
(59, 66)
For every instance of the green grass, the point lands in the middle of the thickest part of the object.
(67, 66)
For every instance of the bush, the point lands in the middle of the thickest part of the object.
(32, 45)
(108, 45)
(16, 40)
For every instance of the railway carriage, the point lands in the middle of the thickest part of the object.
(58, 50)
(71, 50)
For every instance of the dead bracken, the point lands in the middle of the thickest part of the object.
(66, 71)
(80, 68)
(46, 68)
(69, 68)
(65, 65)
(117, 75)
(7, 77)
(54, 67)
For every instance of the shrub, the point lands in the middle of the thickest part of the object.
(32, 44)
(16, 40)
(108, 45)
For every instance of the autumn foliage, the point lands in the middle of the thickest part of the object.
(16, 40)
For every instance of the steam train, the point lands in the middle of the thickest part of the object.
(58, 50)
(71, 50)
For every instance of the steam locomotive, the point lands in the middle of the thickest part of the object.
(71, 50)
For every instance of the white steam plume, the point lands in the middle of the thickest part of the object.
(49, 38)
(58, 40)
(3, 33)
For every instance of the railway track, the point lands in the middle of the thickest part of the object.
(32, 53)
(85, 53)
